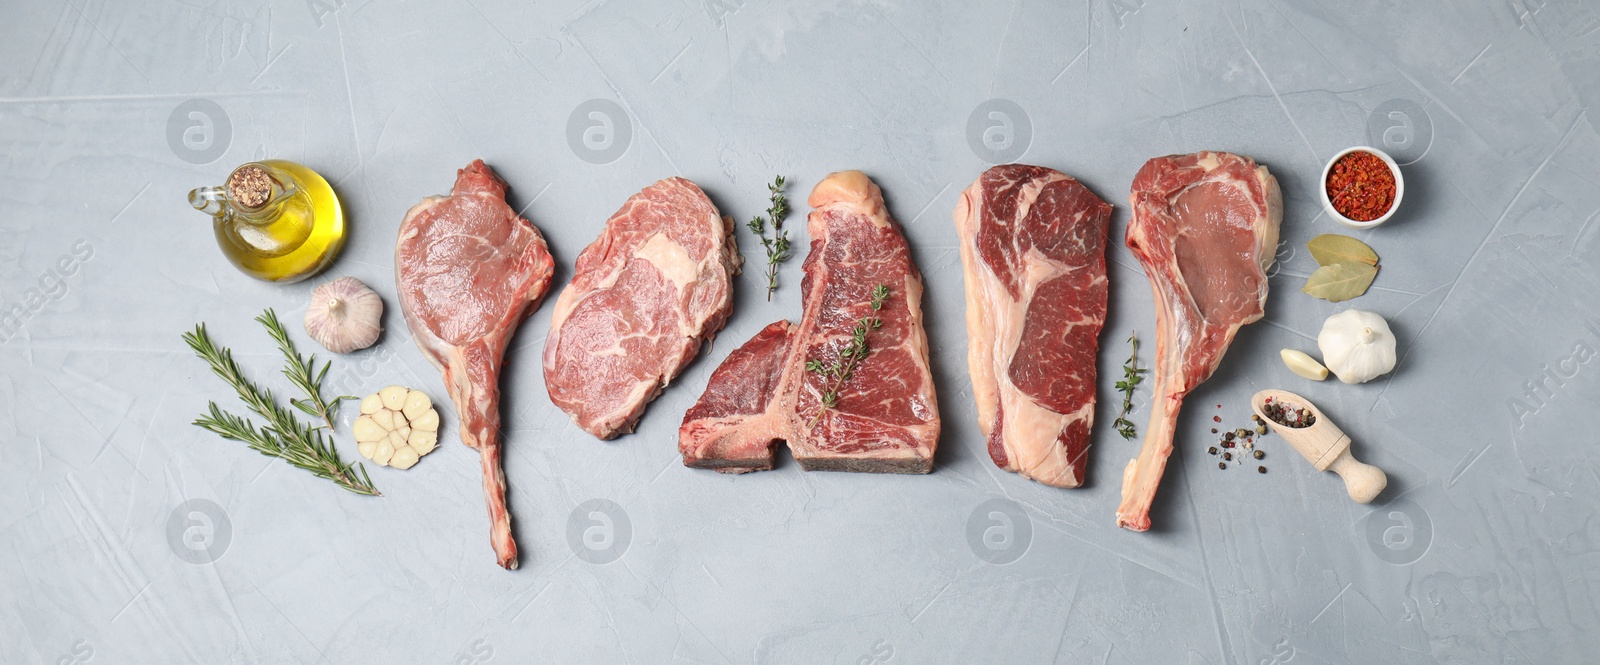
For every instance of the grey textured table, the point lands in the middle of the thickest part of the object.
(130, 536)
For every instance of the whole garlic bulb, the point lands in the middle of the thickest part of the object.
(344, 315)
(1357, 346)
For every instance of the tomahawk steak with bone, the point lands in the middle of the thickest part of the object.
(1205, 228)
(469, 270)
(886, 417)
(1033, 247)
(645, 295)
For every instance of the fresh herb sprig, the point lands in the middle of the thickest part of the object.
(777, 244)
(283, 437)
(1132, 374)
(303, 373)
(839, 371)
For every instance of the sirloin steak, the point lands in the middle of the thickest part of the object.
(887, 418)
(1205, 228)
(469, 270)
(1033, 248)
(654, 286)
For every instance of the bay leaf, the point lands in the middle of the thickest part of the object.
(1341, 281)
(1331, 248)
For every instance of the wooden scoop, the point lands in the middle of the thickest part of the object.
(1324, 445)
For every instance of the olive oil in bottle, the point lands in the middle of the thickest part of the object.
(275, 220)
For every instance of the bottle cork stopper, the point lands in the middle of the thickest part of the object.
(250, 186)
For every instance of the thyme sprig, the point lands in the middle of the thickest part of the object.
(839, 371)
(303, 373)
(284, 436)
(777, 244)
(1132, 374)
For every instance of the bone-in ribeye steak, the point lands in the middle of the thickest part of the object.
(644, 296)
(469, 270)
(887, 418)
(1033, 247)
(1205, 227)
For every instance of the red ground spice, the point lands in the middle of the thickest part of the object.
(1361, 186)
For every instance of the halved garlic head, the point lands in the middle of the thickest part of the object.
(397, 427)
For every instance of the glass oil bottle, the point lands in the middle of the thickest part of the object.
(275, 220)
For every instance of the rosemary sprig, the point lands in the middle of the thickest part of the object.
(1131, 376)
(777, 245)
(302, 372)
(850, 356)
(283, 437)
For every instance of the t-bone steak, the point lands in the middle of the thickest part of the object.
(654, 286)
(469, 270)
(1033, 247)
(886, 419)
(1205, 227)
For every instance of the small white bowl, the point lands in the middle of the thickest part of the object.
(1399, 188)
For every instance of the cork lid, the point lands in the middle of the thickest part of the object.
(250, 186)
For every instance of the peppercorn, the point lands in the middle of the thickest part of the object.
(1262, 430)
(1260, 454)
(1228, 456)
(1213, 450)
(1261, 469)
(1289, 416)
(1222, 465)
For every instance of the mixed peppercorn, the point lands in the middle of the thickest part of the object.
(1289, 415)
(1237, 446)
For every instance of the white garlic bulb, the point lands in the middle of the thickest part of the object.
(1357, 346)
(344, 315)
(397, 427)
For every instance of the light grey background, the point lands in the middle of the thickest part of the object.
(1484, 548)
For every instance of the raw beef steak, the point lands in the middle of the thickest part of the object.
(1033, 247)
(644, 296)
(886, 419)
(469, 270)
(735, 424)
(1205, 227)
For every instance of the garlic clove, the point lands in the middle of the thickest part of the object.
(429, 420)
(394, 397)
(404, 458)
(371, 404)
(396, 440)
(344, 315)
(423, 441)
(416, 403)
(367, 429)
(384, 418)
(404, 432)
(383, 453)
(1303, 365)
(366, 448)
